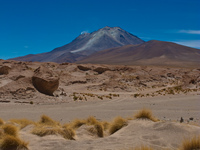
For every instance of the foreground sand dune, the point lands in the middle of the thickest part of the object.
(157, 135)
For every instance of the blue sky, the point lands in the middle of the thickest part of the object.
(36, 26)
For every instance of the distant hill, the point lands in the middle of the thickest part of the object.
(85, 45)
(148, 53)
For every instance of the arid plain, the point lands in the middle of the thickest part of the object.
(80, 91)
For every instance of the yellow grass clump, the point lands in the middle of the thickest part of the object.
(191, 144)
(91, 120)
(99, 129)
(47, 126)
(10, 130)
(68, 133)
(145, 114)
(117, 124)
(106, 125)
(22, 122)
(47, 121)
(42, 130)
(9, 142)
(1, 122)
(76, 123)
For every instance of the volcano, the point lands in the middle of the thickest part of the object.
(85, 45)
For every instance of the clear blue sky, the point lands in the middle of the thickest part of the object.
(36, 26)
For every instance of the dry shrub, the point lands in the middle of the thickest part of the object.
(22, 122)
(191, 144)
(10, 129)
(76, 123)
(145, 114)
(117, 124)
(47, 121)
(43, 130)
(91, 120)
(99, 129)
(105, 125)
(13, 143)
(68, 133)
(1, 122)
(1, 133)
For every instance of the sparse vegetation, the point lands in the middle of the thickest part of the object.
(105, 125)
(191, 144)
(99, 129)
(9, 142)
(91, 120)
(47, 126)
(22, 122)
(145, 114)
(76, 123)
(10, 130)
(117, 124)
(1, 122)
(45, 120)
(43, 130)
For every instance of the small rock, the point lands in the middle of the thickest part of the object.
(191, 118)
(182, 120)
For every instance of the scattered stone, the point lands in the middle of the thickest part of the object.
(181, 120)
(100, 70)
(4, 70)
(191, 118)
(83, 68)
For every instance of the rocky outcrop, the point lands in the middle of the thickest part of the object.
(100, 70)
(45, 81)
(4, 70)
(83, 68)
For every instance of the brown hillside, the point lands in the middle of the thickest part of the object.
(149, 53)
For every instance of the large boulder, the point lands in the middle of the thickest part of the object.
(45, 81)
(4, 70)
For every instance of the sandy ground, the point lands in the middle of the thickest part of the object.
(169, 108)
(168, 133)
(171, 93)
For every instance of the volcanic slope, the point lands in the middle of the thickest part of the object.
(85, 45)
(148, 53)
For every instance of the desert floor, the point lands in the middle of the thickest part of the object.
(105, 92)
(167, 133)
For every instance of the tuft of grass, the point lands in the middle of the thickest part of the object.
(77, 123)
(105, 125)
(22, 122)
(10, 130)
(43, 130)
(1, 122)
(91, 121)
(13, 143)
(99, 129)
(68, 133)
(47, 121)
(117, 124)
(145, 114)
(191, 144)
